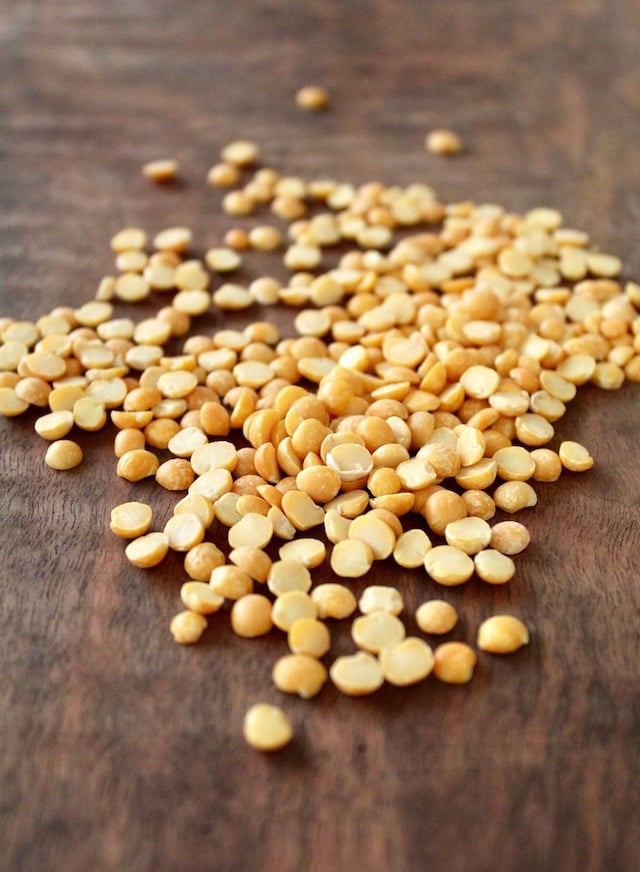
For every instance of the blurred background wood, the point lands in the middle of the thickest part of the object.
(122, 751)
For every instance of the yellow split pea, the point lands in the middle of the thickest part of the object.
(434, 365)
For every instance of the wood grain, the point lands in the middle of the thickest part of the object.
(122, 751)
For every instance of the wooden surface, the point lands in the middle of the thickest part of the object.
(122, 751)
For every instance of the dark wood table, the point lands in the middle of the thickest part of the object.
(122, 751)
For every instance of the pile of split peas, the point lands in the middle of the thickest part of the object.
(418, 396)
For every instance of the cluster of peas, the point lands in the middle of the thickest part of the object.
(416, 399)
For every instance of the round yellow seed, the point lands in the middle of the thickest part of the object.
(575, 457)
(448, 565)
(137, 464)
(512, 496)
(187, 627)
(406, 662)
(411, 548)
(374, 631)
(63, 454)
(493, 566)
(454, 662)
(309, 636)
(312, 98)
(351, 558)
(502, 634)
(380, 598)
(251, 616)
(231, 582)
(198, 597)
(436, 616)
(509, 537)
(184, 531)
(357, 674)
(240, 153)
(286, 575)
(309, 552)
(252, 530)
(289, 607)
(201, 560)
(55, 425)
(267, 728)
(299, 673)
(375, 533)
(130, 520)
(468, 534)
(148, 550)
(443, 141)
(161, 170)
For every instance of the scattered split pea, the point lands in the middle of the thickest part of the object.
(424, 367)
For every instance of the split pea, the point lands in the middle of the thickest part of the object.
(380, 598)
(312, 98)
(251, 616)
(444, 142)
(406, 662)
(231, 582)
(357, 674)
(286, 575)
(198, 597)
(351, 558)
(63, 454)
(148, 550)
(187, 627)
(509, 537)
(493, 566)
(130, 520)
(575, 457)
(436, 616)
(502, 634)
(376, 630)
(161, 170)
(411, 548)
(201, 560)
(448, 565)
(309, 636)
(267, 728)
(454, 662)
(300, 674)
(468, 534)
(333, 600)
(290, 607)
